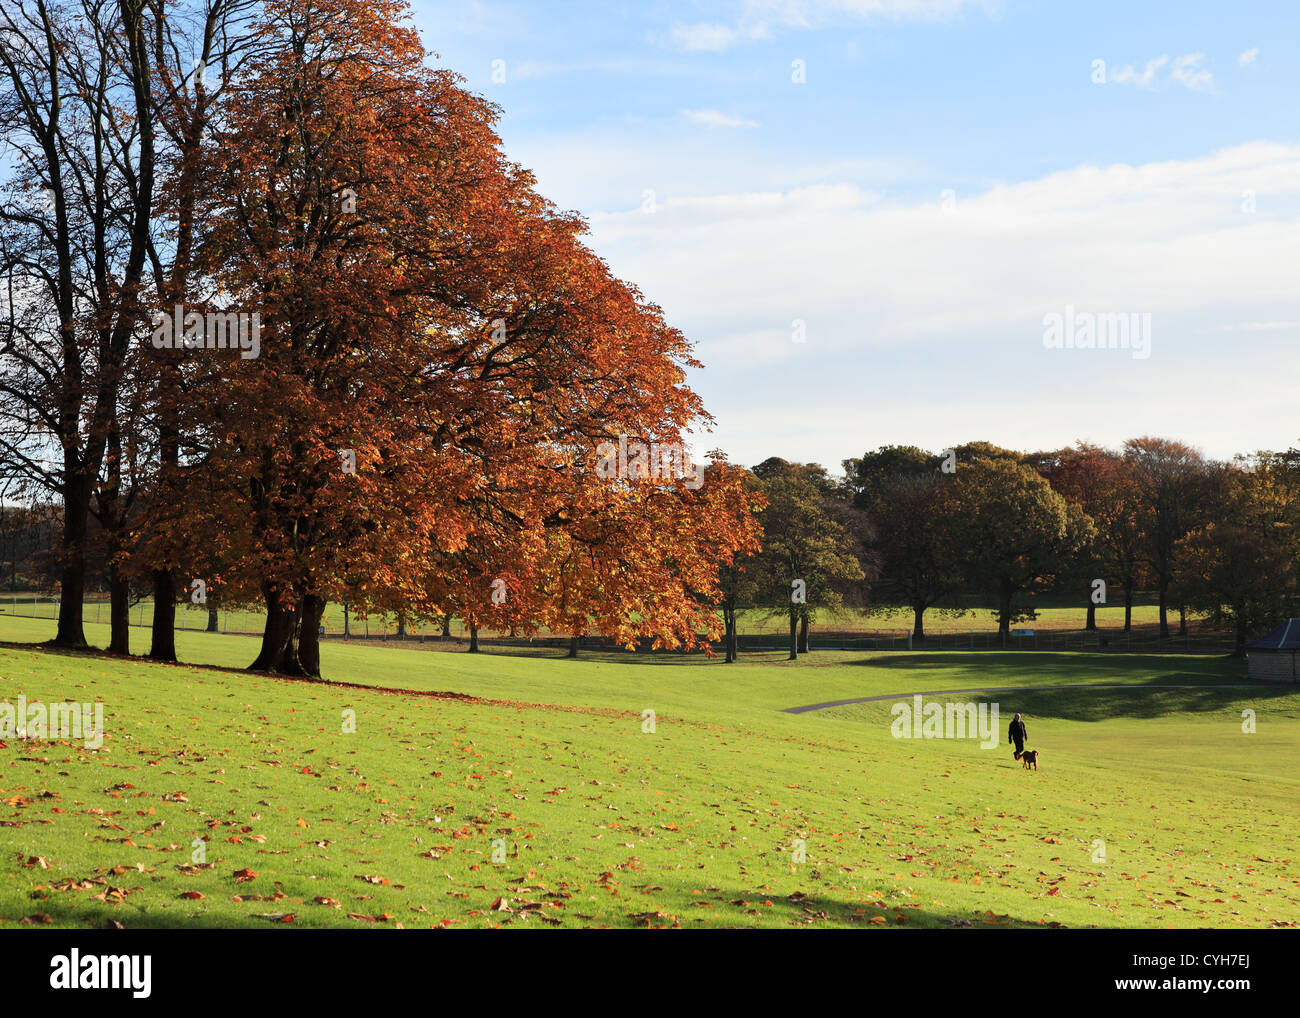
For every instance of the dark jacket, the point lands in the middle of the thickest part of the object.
(1017, 732)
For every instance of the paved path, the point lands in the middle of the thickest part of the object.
(1019, 689)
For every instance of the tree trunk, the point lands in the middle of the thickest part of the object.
(170, 399)
(163, 646)
(313, 608)
(1091, 624)
(803, 635)
(212, 620)
(918, 623)
(1164, 613)
(401, 627)
(729, 633)
(119, 611)
(279, 638)
(111, 513)
(1128, 608)
(347, 620)
(1182, 620)
(573, 646)
(473, 640)
(72, 577)
(446, 626)
(1004, 615)
(794, 636)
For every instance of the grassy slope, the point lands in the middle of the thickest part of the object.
(604, 824)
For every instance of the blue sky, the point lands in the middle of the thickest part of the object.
(948, 174)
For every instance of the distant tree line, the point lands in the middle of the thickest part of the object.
(940, 531)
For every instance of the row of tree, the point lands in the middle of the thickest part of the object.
(414, 423)
(979, 524)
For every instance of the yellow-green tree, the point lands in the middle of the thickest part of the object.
(1013, 532)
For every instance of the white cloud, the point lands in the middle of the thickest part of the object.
(533, 70)
(931, 321)
(1189, 72)
(1145, 79)
(605, 170)
(1247, 58)
(759, 18)
(713, 118)
(898, 9)
(1261, 326)
(713, 37)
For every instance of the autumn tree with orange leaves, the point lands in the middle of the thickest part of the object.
(440, 355)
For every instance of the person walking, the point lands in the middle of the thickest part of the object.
(1018, 734)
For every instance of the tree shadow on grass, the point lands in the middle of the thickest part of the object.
(717, 909)
(1079, 687)
(1092, 703)
(749, 908)
(1142, 702)
(1065, 664)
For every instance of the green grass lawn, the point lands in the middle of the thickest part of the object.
(595, 822)
(1052, 615)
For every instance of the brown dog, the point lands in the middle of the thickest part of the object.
(1029, 759)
